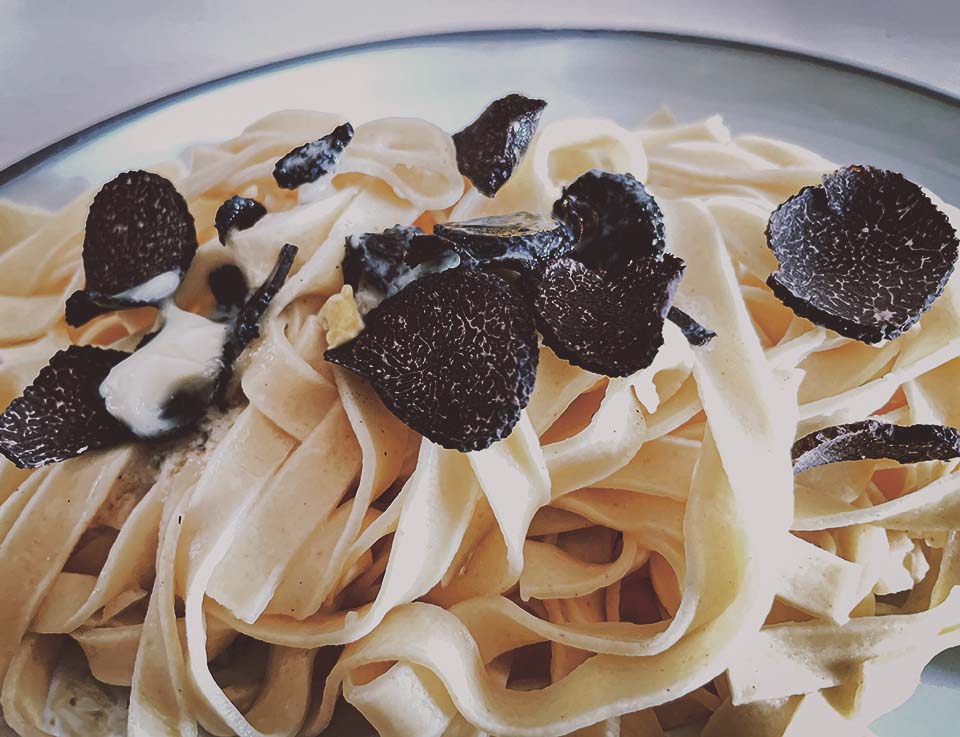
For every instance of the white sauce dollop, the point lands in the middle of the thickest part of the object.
(187, 350)
(153, 290)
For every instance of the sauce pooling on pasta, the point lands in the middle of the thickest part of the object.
(185, 352)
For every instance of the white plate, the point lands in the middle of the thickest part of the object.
(847, 114)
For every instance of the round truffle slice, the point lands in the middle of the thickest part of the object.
(139, 242)
(876, 440)
(61, 415)
(606, 322)
(311, 161)
(520, 241)
(237, 212)
(378, 265)
(454, 356)
(491, 147)
(864, 254)
(618, 218)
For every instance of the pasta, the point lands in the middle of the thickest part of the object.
(636, 556)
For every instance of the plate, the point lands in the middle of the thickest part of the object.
(848, 114)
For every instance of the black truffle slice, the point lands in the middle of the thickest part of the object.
(618, 218)
(864, 254)
(229, 287)
(695, 333)
(378, 265)
(309, 162)
(454, 355)
(245, 327)
(606, 322)
(237, 212)
(520, 241)
(489, 149)
(61, 414)
(873, 439)
(138, 228)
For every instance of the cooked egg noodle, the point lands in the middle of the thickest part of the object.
(646, 530)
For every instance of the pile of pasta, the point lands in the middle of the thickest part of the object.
(635, 557)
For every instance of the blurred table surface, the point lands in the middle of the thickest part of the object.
(66, 65)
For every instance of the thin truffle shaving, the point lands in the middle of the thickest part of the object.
(695, 333)
(245, 326)
(311, 161)
(857, 441)
(520, 240)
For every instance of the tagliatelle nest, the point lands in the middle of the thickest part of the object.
(634, 553)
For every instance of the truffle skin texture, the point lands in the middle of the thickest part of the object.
(864, 254)
(237, 212)
(454, 356)
(696, 334)
(520, 240)
(61, 415)
(617, 217)
(607, 322)
(857, 441)
(311, 161)
(491, 147)
(138, 227)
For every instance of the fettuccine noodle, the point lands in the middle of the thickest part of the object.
(636, 556)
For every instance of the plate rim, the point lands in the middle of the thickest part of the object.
(31, 161)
